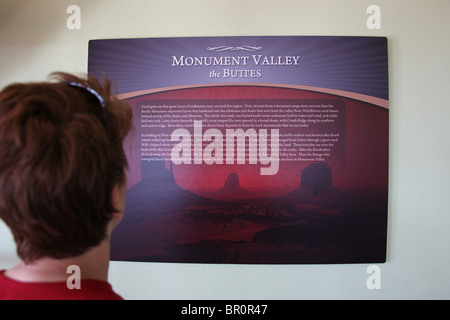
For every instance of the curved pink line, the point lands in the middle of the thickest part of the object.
(347, 94)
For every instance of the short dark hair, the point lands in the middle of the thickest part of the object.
(59, 164)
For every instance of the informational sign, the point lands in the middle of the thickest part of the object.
(252, 150)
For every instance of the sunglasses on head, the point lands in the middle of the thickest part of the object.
(95, 94)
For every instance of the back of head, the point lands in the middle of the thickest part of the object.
(61, 156)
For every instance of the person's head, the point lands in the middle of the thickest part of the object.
(61, 158)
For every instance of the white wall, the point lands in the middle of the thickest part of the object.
(35, 41)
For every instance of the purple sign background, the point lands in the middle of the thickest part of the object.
(207, 184)
(355, 64)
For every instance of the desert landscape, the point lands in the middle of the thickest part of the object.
(315, 223)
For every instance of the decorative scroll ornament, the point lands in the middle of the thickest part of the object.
(241, 48)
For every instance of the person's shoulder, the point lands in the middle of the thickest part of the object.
(98, 290)
(11, 289)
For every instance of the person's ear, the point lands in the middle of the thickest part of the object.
(118, 203)
(118, 198)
